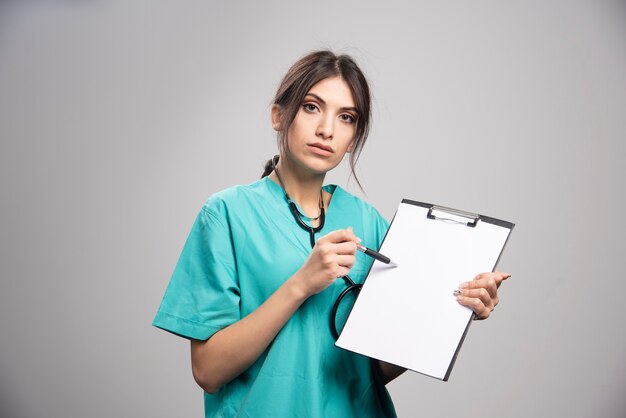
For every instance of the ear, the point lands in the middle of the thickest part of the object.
(350, 147)
(276, 118)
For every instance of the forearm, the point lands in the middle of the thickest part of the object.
(233, 349)
(388, 371)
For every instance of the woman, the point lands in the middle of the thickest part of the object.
(257, 277)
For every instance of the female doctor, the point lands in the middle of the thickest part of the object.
(265, 263)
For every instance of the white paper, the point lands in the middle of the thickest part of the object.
(408, 315)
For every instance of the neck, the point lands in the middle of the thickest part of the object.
(303, 188)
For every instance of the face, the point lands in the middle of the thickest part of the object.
(324, 127)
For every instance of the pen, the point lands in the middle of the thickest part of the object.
(376, 255)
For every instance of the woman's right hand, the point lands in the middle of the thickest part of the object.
(332, 257)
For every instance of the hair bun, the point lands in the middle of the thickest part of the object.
(269, 166)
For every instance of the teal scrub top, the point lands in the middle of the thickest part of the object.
(243, 245)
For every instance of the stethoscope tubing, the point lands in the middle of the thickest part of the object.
(352, 286)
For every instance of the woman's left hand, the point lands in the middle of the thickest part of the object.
(481, 293)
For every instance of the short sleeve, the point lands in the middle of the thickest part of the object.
(203, 294)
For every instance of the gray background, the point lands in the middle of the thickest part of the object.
(118, 119)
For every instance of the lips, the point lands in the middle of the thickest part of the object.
(322, 147)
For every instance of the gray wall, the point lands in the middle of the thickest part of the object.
(118, 119)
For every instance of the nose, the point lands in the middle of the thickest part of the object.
(325, 127)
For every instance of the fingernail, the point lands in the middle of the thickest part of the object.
(358, 240)
(456, 292)
(463, 285)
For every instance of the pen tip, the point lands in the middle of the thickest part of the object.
(392, 264)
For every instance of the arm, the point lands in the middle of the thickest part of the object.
(230, 351)
(389, 371)
(233, 349)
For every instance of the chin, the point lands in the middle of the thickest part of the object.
(314, 163)
(321, 166)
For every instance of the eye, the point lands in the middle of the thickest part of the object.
(309, 107)
(346, 117)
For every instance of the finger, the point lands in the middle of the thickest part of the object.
(340, 235)
(481, 294)
(503, 275)
(498, 276)
(475, 305)
(344, 248)
(345, 261)
(487, 282)
(343, 271)
(495, 274)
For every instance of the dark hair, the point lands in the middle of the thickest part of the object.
(308, 71)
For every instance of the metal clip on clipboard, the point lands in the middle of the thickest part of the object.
(454, 212)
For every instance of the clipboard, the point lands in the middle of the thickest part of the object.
(408, 315)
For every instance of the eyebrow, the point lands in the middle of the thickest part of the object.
(324, 102)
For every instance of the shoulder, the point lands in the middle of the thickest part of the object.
(354, 203)
(239, 196)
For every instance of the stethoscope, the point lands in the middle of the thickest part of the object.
(352, 286)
